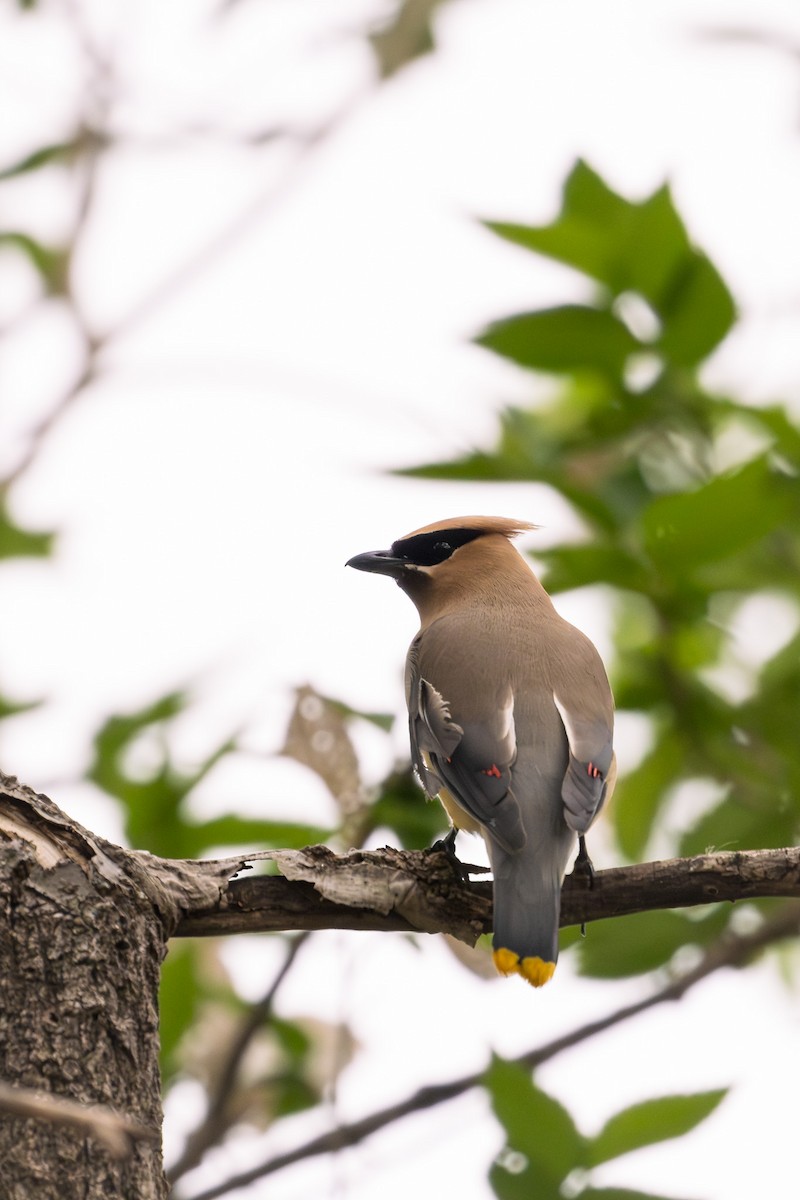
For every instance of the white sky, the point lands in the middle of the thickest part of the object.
(210, 485)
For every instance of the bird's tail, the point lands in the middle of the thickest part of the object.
(527, 905)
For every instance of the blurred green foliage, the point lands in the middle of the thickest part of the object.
(690, 503)
(403, 810)
(21, 543)
(153, 792)
(51, 263)
(545, 1150)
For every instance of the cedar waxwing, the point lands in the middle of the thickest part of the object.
(511, 719)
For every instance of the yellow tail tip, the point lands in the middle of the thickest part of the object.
(535, 970)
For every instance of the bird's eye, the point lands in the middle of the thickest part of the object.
(429, 549)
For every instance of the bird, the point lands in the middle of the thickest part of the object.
(511, 720)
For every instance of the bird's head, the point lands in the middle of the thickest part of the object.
(448, 556)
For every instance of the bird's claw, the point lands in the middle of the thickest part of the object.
(447, 844)
(583, 867)
(447, 847)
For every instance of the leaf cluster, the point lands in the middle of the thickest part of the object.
(545, 1150)
(690, 506)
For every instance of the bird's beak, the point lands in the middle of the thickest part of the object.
(379, 562)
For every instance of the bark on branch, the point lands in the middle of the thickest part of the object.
(418, 890)
(401, 890)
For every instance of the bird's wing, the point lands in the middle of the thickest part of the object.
(591, 769)
(470, 760)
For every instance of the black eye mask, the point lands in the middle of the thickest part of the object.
(428, 549)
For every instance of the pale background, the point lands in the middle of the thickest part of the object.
(230, 456)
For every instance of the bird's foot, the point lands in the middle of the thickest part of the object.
(583, 868)
(447, 844)
(447, 847)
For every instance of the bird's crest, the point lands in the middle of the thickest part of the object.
(505, 525)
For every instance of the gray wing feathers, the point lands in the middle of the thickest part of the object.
(440, 727)
(472, 761)
(434, 734)
(590, 766)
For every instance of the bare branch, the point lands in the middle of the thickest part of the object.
(94, 141)
(730, 951)
(418, 890)
(403, 890)
(116, 1133)
(241, 223)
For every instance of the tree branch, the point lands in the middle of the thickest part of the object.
(418, 890)
(729, 951)
(405, 890)
(116, 1133)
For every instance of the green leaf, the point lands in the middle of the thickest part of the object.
(50, 262)
(291, 1088)
(56, 152)
(10, 708)
(624, 245)
(538, 445)
(640, 942)
(783, 429)
(20, 543)
(638, 796)
(510, 1180)
(153, 805)
(686, 532)
(537, 1127)
(570, 567)
(114, 738)
(294, 1040)
(761, 819)
(292, 1094)
(697, 314)
(592, 233)
(406, 36)
(650, 1122)
(619, 1194)
(179, 999)
(155, 814)
(655, 229)
(642, 248)
(415, 821)
(562, 340)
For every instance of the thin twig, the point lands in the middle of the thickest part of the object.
(727, 952)
(116, 1133)
(216, 1121)
(89, 167)
(199, 260)
(248, 217)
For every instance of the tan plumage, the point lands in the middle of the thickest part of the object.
(510, 718)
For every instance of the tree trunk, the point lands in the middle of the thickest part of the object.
(81, 944)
